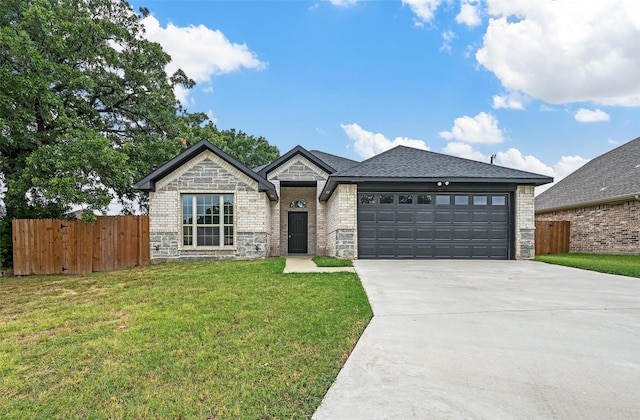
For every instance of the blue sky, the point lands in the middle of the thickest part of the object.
(545, 85)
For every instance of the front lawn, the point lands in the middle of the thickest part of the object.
(178, 340)
(331, 262)
(625, 265)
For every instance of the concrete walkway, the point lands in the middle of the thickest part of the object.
(492, 340)
(304, 264)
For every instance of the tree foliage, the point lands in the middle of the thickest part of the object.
(86, 107)
(250, 150)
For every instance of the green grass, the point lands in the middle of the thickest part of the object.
(625, 265)
(331, 262)
(178, 340)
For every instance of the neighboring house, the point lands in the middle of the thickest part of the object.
(403, 203)
(601, 200)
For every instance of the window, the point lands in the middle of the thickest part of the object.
(405, 199)
(479, 200)
(367, 199)
(298, 204)
(498, 200)
(461, 200)
(443, 200)
(207, 220)
(424, 199)
(386, 199)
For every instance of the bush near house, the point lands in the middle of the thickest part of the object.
(193, 340)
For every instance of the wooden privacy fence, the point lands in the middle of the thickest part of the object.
(54, 246)
(552, 237)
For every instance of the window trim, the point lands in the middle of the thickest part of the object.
(221, 223)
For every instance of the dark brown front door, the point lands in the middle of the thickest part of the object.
(298, 232)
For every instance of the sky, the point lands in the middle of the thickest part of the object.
(543, 85)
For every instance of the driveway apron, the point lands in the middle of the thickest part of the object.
(492, 340)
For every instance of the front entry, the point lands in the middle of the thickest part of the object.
(298, 237)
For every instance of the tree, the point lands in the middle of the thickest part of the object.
(250, 150)
(86, 108)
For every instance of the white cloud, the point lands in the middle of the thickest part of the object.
(512, 100)
(483, 128)
(586, 115)
(201, 52)
(424, 9)
(447, 38)
(367, 144)
(469, 13)
(513, 158)
(464, 150)
(565, 51)
(343, 2)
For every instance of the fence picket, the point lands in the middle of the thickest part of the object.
(46, 246)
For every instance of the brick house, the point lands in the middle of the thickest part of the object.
(601, 200)
(403, 203)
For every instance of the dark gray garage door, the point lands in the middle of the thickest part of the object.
(433, 225)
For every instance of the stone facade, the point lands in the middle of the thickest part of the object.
(208, 174)
(602, 229)
(525, 223)
(342, 219)
(298, 169)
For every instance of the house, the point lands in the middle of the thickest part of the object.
(601, 200)
(403, 203)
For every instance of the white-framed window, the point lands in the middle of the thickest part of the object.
(207, 220)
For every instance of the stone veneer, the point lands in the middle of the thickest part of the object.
(342, 237)
(525, 223)
(298, 169)
(602, 229)
(208, 174)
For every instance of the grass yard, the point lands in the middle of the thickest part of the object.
(331, 262)
(178, 340)
(625, 265)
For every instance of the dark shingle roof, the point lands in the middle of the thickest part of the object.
(613, 176)
(336, 162)
(407, 162)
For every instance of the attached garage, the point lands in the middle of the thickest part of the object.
(433, 224)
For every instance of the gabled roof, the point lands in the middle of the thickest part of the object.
(611, 177)
(298, 150)
(406, 164)
(148, 183)
(337, 162)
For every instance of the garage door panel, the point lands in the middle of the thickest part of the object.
(386, 216)
(443, 217)
(405, 217)
(457, 226)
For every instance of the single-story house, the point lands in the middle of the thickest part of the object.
(403, 203)
(601, 200)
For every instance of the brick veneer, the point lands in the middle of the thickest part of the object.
(603, 229)
(525, 223)
(342, 240)
(207, 173)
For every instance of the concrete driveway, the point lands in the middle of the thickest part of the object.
(492, 340)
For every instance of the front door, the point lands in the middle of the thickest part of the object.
(297, 232)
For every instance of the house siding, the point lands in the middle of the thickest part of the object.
(341, 222)
(602, 229)
(207, 173)
(525, 222)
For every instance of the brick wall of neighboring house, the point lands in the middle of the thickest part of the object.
(603, 229)
(208, 174)
(525, 222)
(342, 240)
